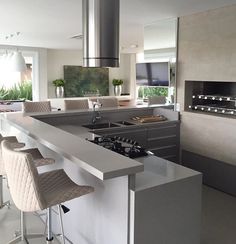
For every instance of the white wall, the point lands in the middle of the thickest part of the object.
(56, 59)
(124, 72)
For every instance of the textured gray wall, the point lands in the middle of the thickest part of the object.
(207, 51)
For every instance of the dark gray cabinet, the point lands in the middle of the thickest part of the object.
(163, 141)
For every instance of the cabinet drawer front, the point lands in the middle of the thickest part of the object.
(166, 151)
(161, 142)
(162, 131)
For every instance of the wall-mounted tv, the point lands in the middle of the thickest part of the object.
(153, 74)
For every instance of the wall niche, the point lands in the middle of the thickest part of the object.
(211, 97)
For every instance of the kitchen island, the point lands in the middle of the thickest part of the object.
(146, 200)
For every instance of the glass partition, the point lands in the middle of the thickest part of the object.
(160, 46)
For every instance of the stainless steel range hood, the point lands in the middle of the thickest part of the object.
(101, 33)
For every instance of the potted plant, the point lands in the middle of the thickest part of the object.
(117, 86)
(59, 84)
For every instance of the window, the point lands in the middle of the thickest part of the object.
(15, 85)
(148, 91)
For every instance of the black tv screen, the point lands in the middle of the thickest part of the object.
(152, 74)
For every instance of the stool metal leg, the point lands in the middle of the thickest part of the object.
(61, 224)
(23, 238)
(49, 224)
(22, 225)
(2, 204)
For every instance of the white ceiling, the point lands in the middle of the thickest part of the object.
(50, 23)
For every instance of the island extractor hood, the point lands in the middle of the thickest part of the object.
(101, 33)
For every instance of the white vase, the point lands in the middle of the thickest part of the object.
(117, 90)
(59, 91)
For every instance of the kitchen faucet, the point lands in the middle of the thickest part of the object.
(96, 115)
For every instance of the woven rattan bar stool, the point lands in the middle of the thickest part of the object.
(37, 191)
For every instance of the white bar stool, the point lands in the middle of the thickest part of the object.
(13, 140)
(38, 158)
(37, 191)
(76, 104)
(108, 102)
(35, 107)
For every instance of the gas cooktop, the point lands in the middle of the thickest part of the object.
(121, 145)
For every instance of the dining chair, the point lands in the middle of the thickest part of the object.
(76, 104)
(30, 107)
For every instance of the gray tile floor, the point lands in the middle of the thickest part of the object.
(218, 217)
(10, 222)
(218, 220)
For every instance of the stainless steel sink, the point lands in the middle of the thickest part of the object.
(100, 126)
(123, 122)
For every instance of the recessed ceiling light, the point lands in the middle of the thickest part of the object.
(133, 46)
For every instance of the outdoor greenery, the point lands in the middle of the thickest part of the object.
(19, 91)
(117, 82)
(147, 91)
(58, 82)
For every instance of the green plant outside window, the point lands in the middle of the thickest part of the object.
(149, 91)
(21, 91)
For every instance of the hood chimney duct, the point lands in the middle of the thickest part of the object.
(101, 33)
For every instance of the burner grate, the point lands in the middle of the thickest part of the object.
(121, 145)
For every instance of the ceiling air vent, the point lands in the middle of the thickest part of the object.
(77, 37)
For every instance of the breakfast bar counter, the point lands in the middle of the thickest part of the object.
(135, 201)
(75, 148)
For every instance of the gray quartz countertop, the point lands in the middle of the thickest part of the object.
(159, 171)
(70, 142)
